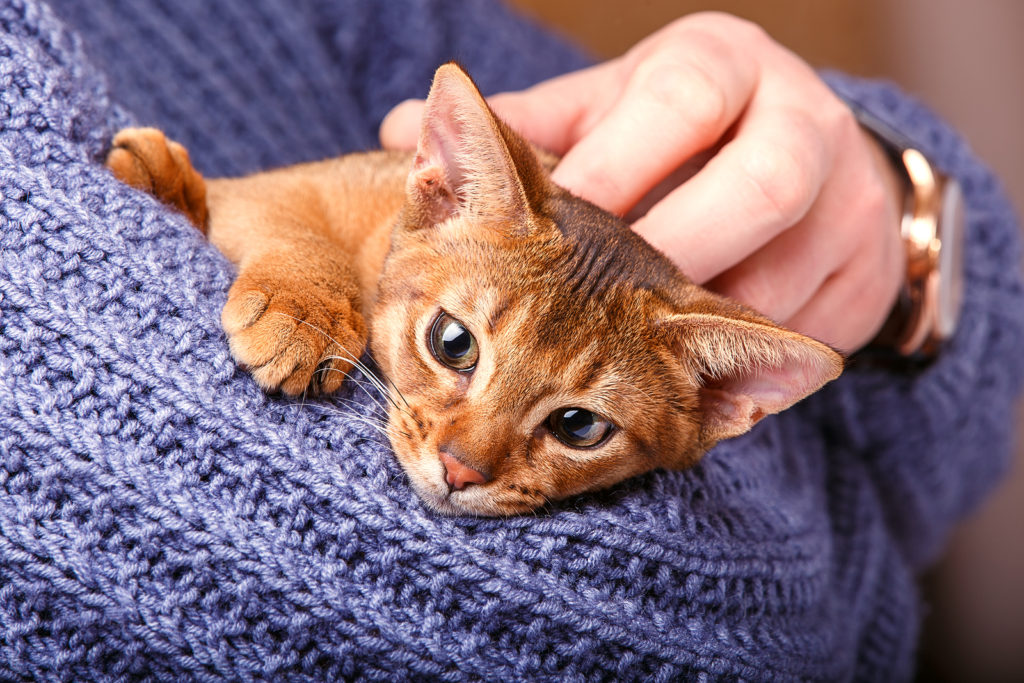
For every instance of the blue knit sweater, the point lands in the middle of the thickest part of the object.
(161, 518)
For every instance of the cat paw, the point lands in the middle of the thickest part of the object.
(293, 336)
(145, 159)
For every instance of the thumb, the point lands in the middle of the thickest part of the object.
(553, 114)
(400, 129)
(556, 113)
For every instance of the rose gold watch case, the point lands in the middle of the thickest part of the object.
(933, 232)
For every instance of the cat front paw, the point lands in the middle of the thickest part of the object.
(294, 336)
(147, 160)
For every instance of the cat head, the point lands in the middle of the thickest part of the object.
(541, 348)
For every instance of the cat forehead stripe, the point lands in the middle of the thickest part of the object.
(606, 251)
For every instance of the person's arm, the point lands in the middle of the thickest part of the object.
(796, 213)
(386, 52)
(795, 210)
(934, 458)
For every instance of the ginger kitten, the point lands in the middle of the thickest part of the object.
(537, 347)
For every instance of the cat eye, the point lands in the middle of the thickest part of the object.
(452, 344)
(578, 427)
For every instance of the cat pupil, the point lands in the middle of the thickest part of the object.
(456, 340)
(452, 344)
(578, 423)
(579, 427)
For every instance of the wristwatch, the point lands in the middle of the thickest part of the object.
(932, 228)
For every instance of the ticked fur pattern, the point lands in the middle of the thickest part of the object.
(567, 306)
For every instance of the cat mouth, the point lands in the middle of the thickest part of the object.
(426, 475)
(472, 501)
(444, 499)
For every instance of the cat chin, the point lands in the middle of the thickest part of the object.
(426, 476)
(468, 503)
(445, 505)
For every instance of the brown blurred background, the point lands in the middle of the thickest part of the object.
(967, 61)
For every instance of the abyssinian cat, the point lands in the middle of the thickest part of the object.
(536, 346)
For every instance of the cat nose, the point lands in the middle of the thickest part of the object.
(458, 475)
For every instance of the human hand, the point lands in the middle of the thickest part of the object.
(792, 209)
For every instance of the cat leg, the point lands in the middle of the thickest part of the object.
(147, 160)
(292, 315)
(292, 318)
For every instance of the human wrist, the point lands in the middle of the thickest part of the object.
(894, 183)
(931, 227)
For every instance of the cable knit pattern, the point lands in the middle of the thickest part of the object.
(162, 519)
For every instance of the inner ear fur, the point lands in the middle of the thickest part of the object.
(748, 367)
(469, 162)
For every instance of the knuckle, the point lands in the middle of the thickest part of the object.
(778, 181)
(721, 23)
(874, 203)
(873, 206)
(786, 172)
(837, 121)
(865, 316)
(602, 187)
(842, 119)
(683, 80)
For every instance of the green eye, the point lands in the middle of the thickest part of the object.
(452, 344)
(578, 427)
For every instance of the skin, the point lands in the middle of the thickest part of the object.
(736, 161)
(569, 309)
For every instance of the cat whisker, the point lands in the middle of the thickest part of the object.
(373, 425)
(370, 377)
(375, 421)
(357, 406)
(379, 427)
(395, 387)
(379, 382)
(359, 384)
(349, 357)
(374, 381)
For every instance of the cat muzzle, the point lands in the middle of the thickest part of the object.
(459, 475)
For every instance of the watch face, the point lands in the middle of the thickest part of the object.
(951, 259)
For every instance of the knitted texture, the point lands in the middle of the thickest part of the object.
(161, 518)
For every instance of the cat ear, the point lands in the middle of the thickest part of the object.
(465, 160)
(748, 368)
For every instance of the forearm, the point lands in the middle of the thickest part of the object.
(935, 440)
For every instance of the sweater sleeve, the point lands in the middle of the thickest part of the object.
(161, 518)
(252, 85)
(936, 440)
(388, 51)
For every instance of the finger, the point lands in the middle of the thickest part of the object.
(556, 113)
(678, 101)
(762, 182)
(400, 129)
(780, 278)
(552, 114)
(850, 307)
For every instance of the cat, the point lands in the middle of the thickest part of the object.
(537, 347)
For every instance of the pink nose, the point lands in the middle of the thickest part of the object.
(458, 475)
